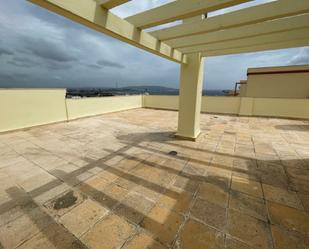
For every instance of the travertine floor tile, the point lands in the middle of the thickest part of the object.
(134, 207)
(195, 235)
(212, 214)
(111, 232)
(282, 196)
(81, 218)
(247, 186)
(142, 241)
(284, 239)
(235, 244)
(213, 193)
(253, 232)
(289, 218)
(163, 224)
(249, 205)
(73, 172)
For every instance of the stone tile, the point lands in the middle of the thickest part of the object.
(93, 185)
(195, 235)
(81, 218)
(53, 236)
(148, 192)
(19, 230)
(213, 193)
(143, 241)
(235, 244)
(249, 205)
(212, 214)
(64, 203)
(178, 202)
(111, 232)
(134, 207)
(305, 201)
(163, 224)
(14, 210)
(53, 190)
(289, 218)
(183, 183)
(283, 239)
(253, 232)
(247, 186)
(116, 192)
(37, 181)
(282, 196)
(224, 150)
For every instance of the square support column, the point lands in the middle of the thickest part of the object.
(190, 98)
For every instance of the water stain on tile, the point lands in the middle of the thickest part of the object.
(65, 201)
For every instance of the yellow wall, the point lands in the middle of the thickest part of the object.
(296, 108)
(243, 106)
(20, 108)
(84, 107)
(280, 84)
(161, 102)
(209, 104)
(229, 105)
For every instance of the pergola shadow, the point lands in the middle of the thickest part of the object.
(151, 144)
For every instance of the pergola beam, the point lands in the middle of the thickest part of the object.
(263, 39)
(251, 15)
(109, 4)
(92, 15)
(258, 48)
(253, 30)
(178, 10)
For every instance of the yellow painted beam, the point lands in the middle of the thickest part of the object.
(263, 39)
(253, 30)
(92, 15)
(257, 48)
(178, 10)
(109, 4)
(251, 15)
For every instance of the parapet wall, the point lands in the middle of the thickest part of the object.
(22, 108)
(243, 106)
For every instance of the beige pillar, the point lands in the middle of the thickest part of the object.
(190, 97)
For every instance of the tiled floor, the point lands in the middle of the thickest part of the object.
(110, 182)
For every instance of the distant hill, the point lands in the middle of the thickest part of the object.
(150, 88)
(132, 90)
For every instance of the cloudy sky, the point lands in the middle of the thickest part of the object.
(41, 49)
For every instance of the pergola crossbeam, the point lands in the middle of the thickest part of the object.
(92, 15)
(109, 4)
(178, 10)
(253, 30)
(258, 48)
(251, 15)
(263, 39)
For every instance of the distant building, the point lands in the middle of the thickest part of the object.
(276, 82)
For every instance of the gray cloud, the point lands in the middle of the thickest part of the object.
(4, 51)
(94, 66)
(49, 50)
(107, 63)
(301, 58)
(22, 62)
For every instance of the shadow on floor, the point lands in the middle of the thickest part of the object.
(187, 164)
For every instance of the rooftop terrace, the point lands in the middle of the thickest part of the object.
(114, 181)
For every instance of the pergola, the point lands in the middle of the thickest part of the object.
(275, 25)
